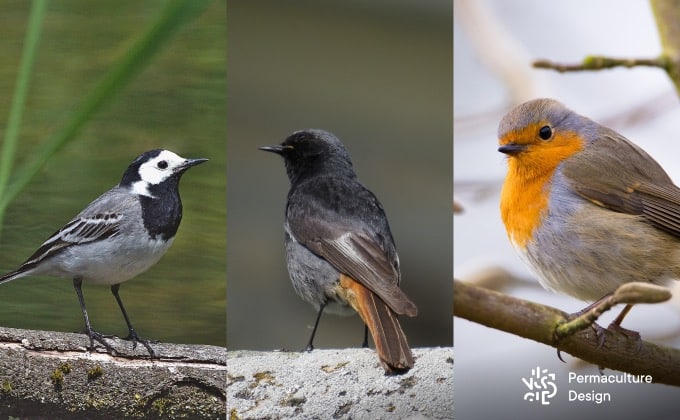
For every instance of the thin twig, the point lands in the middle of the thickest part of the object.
(595, 62)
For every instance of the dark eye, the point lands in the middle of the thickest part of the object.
(162, 164)
(545, 132)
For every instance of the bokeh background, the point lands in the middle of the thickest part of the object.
(177, 102)
(494, 43)
(378, 75)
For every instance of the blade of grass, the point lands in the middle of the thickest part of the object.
(175, 14)
(28, 54)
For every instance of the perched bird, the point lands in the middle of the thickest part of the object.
(588, 209)
(117, 236)
(340, 252)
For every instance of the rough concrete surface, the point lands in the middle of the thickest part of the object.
(328, 384)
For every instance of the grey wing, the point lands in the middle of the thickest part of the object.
(101, 219)
(643, 188)
(358, 255)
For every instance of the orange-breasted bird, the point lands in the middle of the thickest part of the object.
(588, 209)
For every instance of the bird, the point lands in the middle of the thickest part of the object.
(340, 252)
(585, 207)
(117, 236)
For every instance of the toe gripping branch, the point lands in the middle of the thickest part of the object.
(628, 294)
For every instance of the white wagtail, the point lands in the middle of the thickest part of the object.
(117, 236)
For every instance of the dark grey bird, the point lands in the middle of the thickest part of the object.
(340, 251)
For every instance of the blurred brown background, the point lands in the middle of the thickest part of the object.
(378, 75)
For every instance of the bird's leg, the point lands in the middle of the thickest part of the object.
(132, 334)
(310, 344)
(616, 326)
(364, 344)
(92, 334)
(599, 331)
(616, 323)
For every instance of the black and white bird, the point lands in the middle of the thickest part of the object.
(117, 236)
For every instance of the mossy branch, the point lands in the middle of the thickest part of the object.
(597, 62)
(50, 374)
(547, 325)
(667, 16)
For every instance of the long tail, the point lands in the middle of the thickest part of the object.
(13, 275)
(390, 340)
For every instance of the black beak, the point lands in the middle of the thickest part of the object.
(192, 162)
(278, 149)
(512, 148)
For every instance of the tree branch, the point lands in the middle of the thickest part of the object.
(596, 62)
(540, 323)
(51, 374)
(667, 16)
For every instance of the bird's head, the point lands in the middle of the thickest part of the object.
(155, 168)
(312, 151)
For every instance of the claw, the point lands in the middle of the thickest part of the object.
(601, 335)
(559, 355)
(132, 336)
(628, 333)
(101, 339)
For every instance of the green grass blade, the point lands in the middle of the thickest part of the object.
(28, 54)
(174, 16)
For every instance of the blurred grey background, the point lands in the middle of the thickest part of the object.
(176, 102)
(378, 75)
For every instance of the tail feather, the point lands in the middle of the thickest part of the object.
(13, 275)
(390, 340)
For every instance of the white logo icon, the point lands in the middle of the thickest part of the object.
(541, 386)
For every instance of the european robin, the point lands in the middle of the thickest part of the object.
(588, 209)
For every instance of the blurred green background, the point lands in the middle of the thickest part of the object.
(177, 102)
(377, 74)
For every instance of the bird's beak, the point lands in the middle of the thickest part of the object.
(512, 148)
(278, 149)
(188, 163)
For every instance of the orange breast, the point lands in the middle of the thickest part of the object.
(526, 191)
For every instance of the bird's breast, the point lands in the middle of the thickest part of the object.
(524, 203)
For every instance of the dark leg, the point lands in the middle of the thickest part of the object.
(365, 343)
(94, 335)
(616, 326)
(132, 334)
(619, 319)
(599, 331)
(310, 344)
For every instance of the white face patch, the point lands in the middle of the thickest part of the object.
(157, 170)
(142, 188)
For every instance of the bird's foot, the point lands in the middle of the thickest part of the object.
(634, 335)
(600, 332)
(132, 336)
(101, 339)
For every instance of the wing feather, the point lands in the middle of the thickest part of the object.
(627, 181)
(356, 253)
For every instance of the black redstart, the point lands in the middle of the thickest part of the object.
(339, 247)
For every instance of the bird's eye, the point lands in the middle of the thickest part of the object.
(162, 164)
(545, 132)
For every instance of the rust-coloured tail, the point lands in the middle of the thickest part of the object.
(390, 340)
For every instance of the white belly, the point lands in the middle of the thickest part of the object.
(105, 264)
